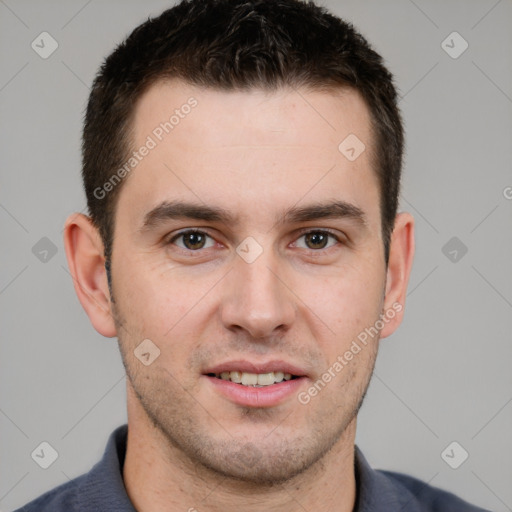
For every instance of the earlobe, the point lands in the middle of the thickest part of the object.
(401, 256)
(84, 253)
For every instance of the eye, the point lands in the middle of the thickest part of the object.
(192, 240)
(316, 240)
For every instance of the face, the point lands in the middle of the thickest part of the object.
(248, 247)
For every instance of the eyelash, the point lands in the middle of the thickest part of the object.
(302, 234)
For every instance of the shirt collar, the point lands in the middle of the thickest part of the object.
(103, 488)
(376, 491)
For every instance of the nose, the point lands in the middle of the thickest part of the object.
(257, 299)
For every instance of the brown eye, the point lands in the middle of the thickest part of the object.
(192, 240)
(316, 240)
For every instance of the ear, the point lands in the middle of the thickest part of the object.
(401, 255)
(84, 252)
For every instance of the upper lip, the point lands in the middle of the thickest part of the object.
(250, 367)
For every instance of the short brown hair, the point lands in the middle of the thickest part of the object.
(236, 45)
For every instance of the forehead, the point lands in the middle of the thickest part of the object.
(262, 117)
(249, 147)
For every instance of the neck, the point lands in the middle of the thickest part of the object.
(159, 477)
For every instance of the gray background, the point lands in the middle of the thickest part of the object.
(444, 376)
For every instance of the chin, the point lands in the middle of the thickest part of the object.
(262, 462)
(252, 465)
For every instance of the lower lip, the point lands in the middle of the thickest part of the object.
(266, 396)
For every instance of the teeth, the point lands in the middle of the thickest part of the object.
(236, 377)
(255, 379)
(249, 379)
(265, 379)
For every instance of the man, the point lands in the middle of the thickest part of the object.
(242, 160)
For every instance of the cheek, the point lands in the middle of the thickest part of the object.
(167, 312)
(163, 305)
(346, 303)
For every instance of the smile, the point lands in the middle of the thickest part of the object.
(254, 379)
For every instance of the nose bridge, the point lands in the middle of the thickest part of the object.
(258, 300)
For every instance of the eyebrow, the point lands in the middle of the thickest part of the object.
(331, 210)
(173, 210)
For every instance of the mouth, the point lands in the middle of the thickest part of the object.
(255, 380)
(255, 385)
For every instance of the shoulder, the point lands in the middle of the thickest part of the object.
(389, 491)
(428, 498)
(61, 498)
(102, 488)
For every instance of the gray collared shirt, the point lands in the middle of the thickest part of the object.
(102, 489)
